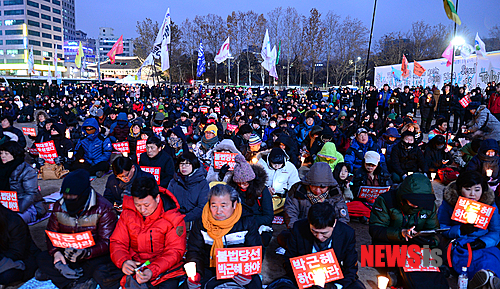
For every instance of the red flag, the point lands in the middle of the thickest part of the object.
(116, 49)
(404, 67)
(418, 69)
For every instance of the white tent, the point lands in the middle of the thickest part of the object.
(130, 79)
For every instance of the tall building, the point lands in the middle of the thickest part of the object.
(68, 8)
(26, 24)
(106, 41)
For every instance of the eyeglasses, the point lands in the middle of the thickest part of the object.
(185, 164)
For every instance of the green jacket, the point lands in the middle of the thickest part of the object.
(467, 153)
(388, 218)
(329, 154)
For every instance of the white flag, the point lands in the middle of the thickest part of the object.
(480, 47)
(165, 61)
(31, 62)
(466, 50)
(55, 64)
(272, 59)
(163, 33)
(148, 61)
(266, 51)
(223, 53)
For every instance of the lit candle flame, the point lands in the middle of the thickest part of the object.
(125, 154)
(489, 173)
(382, 282)
(319, 277)
(433, 176)
(190, 268)
(254, 161)
(471, 217)
(383, 150)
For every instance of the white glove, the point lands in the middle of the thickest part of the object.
(264, 228)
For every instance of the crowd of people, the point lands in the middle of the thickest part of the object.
(303, 156)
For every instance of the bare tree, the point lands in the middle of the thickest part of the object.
(313, 34)
(291, 39)
(147, 30)
(331, 29)
(189, 42)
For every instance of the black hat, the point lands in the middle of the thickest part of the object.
(277, 156)
(76, 182)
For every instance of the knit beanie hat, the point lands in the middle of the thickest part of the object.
(76, 182)
(254, 140)
(212, 128)
(243, 172)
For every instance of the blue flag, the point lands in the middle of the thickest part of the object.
(201, 61)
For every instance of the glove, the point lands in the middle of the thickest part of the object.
(40, 162)
(264, 228)
(74, 255)
(67, 272)
(466, 229)
(242, 280)
(58, 160)
(477, 244)
(195, 282)
(223, 171)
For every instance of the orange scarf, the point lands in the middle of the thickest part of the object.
(217, 229)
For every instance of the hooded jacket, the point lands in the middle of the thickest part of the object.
(329, 154)
(191, 192)
(213, 174)
(159, 238)
(356, 154)
(281, 180)
(297, 204)
(485, 122)
(96, 148)
(121, 128)
(98, 217)
(490, 236)
(24, 181)
(389, 216)
(163, 161)
(481, 162)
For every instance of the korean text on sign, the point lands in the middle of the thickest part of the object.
(155, 171)
(29, 131)
(220, 159)
(324, 262)
(371, 193)
(9, 200)
(472, 212)
(157, 129)
(78, 240)
(233, 261)
(122, 147)
(140, 148)
(231, 127)
(47, 151)
(420, 267)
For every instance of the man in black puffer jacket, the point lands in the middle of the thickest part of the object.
(406, 157)
(156, 157)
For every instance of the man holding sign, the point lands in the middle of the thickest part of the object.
(322, 231)
(222, 225)
(68, 261)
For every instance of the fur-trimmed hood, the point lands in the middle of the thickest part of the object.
(451, 195)
(38, 113)
(258, 184)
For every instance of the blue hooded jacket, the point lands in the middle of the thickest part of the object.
(356, 152)
(96, 148)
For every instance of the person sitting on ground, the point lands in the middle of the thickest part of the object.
(150, 228)
(329, 154)
(407, 157)
(93, 152)
(207, 143)
(370, 175)
(119, 184)
(359, 146)
(435, 154)
(483, 242)
(156, 157)
(484, 124)
(80, 209)
(486, 160)
(120, 130)
(223, 219)
(322, 231)
(397, 216)
(8, 126)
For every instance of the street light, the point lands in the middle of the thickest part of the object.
(458, 41)
(354, 76)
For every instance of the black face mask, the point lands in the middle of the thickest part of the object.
(74, 206)
(440, 147)
(408, 146)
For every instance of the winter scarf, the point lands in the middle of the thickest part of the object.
(317, 199)
(218, 229)
(207, 144)
(6, 170)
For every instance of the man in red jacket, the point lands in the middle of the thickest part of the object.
(150, 238)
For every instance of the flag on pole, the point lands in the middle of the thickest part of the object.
(448, 54)
(465, 101)
(163, 33)
(451, 12)
(116, 49)
(201, 61)
(223, 53)
(279, 53)
(79, 56)
(266, 51)
(148, 61)
(480, 47)
(404, 67)
(31, 62)
(273, 56)
(56, 72)
(418, 69)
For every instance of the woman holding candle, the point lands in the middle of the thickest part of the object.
(471, 185)
(487, 159)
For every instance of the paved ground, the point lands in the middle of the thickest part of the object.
(273, 263)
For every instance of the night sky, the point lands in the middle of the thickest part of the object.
(392, 15)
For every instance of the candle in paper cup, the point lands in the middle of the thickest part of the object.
(190, 268)
(82, 161)
(70, 154)
(319, 277)
(383, 150)
(433, 176)
(489, 172)
(410, 173)
(471, 217)
(382, 282)
(125, 154)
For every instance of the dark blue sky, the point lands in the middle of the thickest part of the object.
(392, 15)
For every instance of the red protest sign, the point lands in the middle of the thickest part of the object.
(243, 261)
(155, 171)
(217, 109)
(140, 148)
(278, 220)
(122, 147)
(29, 131)
(371, 193)
(231, 127)
(80, 240)
(47, 151)
(220, 159)
(204, 109)
(157, 129)
(9, 200)
(324, 262)
(421, 267)
(468, 211)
